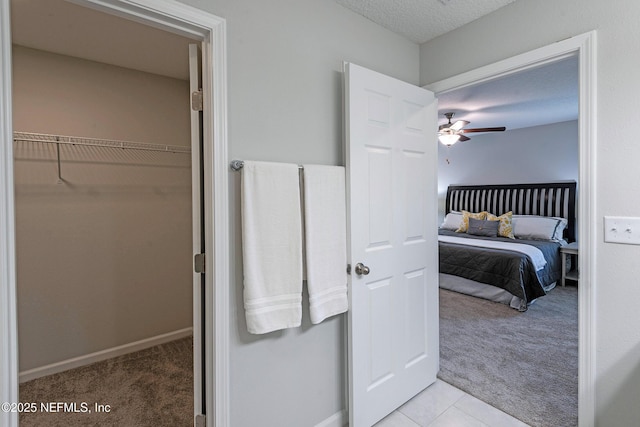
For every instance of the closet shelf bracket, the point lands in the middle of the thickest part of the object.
(60, 180)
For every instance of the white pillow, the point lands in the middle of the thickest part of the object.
(533, 227)
(452, 221)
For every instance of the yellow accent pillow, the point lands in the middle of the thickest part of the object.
(505, 229)
(464, 224)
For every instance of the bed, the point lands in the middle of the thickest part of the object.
(514, 270)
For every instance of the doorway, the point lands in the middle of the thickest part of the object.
(584, 46)
(112, 232)
(210, 30)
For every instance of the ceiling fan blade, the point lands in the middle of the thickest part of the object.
(496, 129)
(459, 124)
(464, 138)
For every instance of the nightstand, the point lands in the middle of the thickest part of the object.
(571, 250)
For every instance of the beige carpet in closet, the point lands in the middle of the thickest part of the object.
(152, 387)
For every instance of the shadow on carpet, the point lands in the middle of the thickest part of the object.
(152, 387)
(525, 364)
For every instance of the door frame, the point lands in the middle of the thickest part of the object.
(584, 46)
(211, 31)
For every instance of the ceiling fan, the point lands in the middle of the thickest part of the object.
(450, 133)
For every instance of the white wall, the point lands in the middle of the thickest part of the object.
(526, 25)
(285, 104)
(528, 155)
(103, 259)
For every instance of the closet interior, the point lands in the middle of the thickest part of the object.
(103, 198)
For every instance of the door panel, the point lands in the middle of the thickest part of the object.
(391, 167)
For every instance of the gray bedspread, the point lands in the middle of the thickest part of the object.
(509, 270)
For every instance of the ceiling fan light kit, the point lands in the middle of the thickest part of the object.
(448, 137)
(450, 133)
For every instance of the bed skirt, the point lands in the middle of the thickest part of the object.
(482, 290)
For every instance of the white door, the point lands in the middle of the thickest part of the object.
(393, 343)
(197, 183)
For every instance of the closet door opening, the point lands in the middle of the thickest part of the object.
(107, 219)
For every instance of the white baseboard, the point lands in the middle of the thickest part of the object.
(98, 356)
(339, 419)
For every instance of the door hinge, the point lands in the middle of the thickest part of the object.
(196, 100)
(201, 420)
(199, 263)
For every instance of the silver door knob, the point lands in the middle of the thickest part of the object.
(361, 269)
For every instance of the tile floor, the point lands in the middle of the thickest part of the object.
(443, 405)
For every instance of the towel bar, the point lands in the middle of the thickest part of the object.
(236, 165)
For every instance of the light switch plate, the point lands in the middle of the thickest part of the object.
(620, 229)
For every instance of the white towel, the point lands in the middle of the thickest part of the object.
(272, 246)
(325, 240)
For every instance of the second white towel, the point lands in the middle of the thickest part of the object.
(272, 246)
(325, 240)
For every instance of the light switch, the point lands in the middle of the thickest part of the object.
(619, 229)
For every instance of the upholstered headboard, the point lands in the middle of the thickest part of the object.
(545, 199)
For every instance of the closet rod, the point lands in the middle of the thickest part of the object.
(94, 142)
(236, 165)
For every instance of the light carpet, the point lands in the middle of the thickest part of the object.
(152, 387)
(525, 364)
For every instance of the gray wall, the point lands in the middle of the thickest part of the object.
(104, 259)
(534, 154)
(285, 104)
(526, 25)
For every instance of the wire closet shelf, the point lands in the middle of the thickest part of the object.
(95, 142)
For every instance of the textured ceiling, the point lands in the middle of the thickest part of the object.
(541, 96)
(55, 26)
(423, 20)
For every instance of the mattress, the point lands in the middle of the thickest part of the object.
(512, 271)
